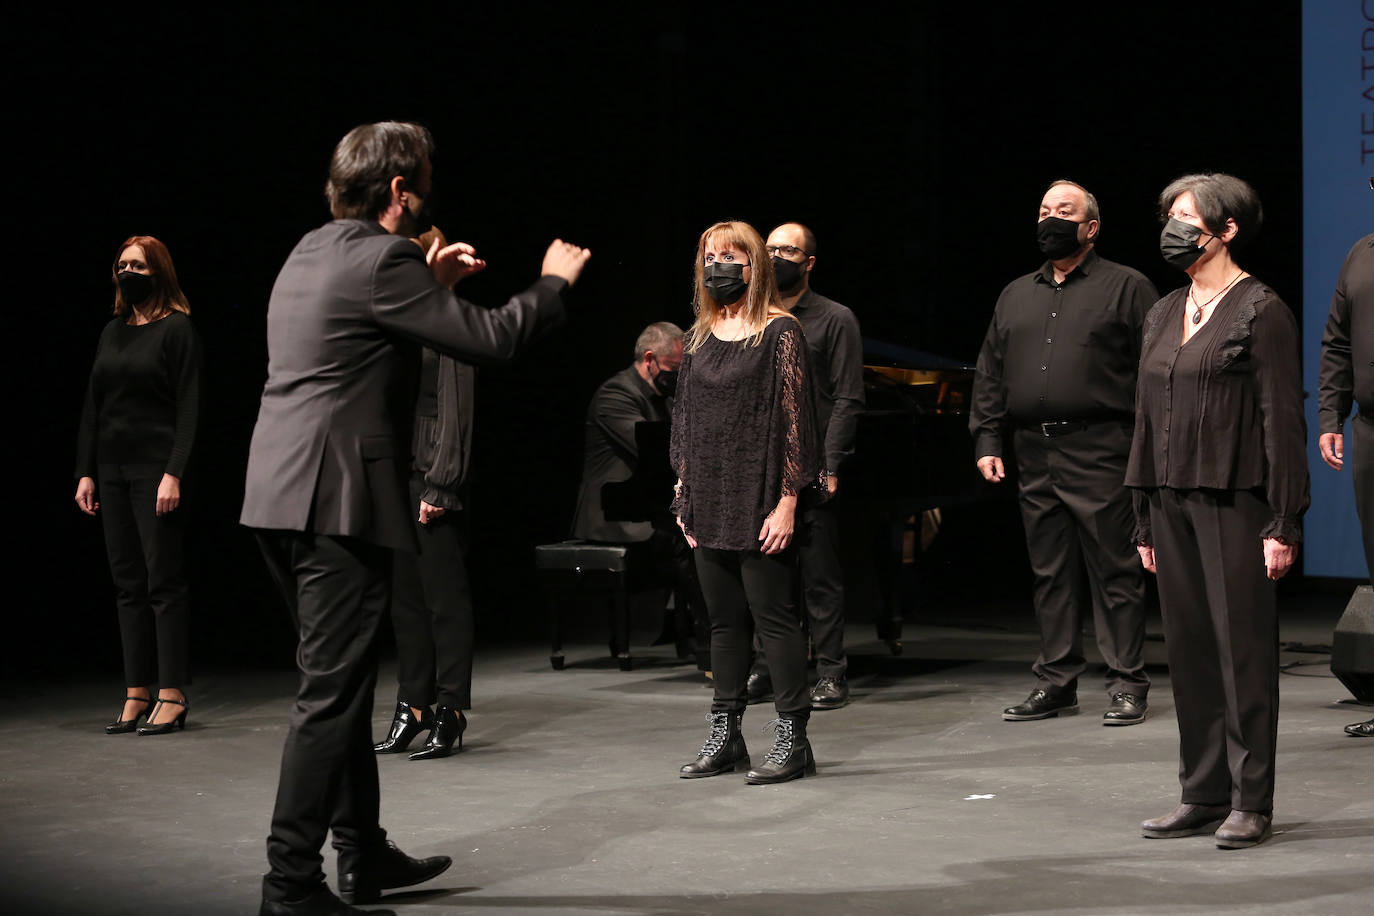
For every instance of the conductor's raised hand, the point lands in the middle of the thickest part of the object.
(452, 263)
(564, 260)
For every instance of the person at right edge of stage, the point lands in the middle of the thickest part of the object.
(1058, 371)
(1346, 377)
(326, 483)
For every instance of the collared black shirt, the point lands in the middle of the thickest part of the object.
(1060, 351)
(837, 372)
(1347, 364)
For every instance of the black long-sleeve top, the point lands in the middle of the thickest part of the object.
(837, 372)
(143, 398)
(1223, 411)
(1346, 375)
(1060, 351)
(743, 434)
(441, 443)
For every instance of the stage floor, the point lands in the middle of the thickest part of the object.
(566, 797)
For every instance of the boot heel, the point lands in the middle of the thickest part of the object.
(741, 765)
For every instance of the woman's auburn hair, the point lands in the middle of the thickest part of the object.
(166, 295)
(761, 299)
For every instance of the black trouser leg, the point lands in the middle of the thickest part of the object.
(1362, 438)
(336, 589)
(444, 576)
(410, 621)
(732, 627)
(822, 579)
(146, 557)
(1221, 630)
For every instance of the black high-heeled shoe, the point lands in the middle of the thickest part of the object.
(449, 725)
(165, 728)
(124, 726)
(404, 728)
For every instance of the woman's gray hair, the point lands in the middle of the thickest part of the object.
(365, 161)
(1219, 197)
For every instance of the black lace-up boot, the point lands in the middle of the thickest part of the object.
(790, 757)
(724, 750)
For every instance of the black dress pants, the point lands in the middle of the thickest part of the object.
(1079, 519)
(822, 583)
(431, 613)
(1362, 434)
(147, 565)
(744, 590)
(336, 590)
(1222, 634)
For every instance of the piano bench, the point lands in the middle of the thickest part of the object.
(571, 568)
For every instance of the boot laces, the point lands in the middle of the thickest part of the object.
(720, 731)
(782, 742)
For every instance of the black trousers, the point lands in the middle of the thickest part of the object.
(745, 590)
(146, 556)
(1079, 519)
(431, 613)
(822, 582)
(1222, 633)
(336, 590)
(1362, 434)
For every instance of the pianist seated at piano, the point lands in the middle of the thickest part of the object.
(640, 393)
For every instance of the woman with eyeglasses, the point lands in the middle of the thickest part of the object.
(1220, 465)
(743, 445)
(137, 428)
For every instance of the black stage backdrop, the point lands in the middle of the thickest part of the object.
(915, 140)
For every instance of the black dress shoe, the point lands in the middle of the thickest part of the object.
(1358, 730)
(1244, 829)
(1126, 709)
(165, 728)
(789, 758)
(724, 750)
(404, 728)
(830, 693)
(1044, 703)
(320, 903)
(389, 868)
(760, 687)
(449, 726)
(1185, 820)
(124, 726)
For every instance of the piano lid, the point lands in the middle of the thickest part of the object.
(907, 366)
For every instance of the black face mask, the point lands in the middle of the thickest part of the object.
(789, 274)
(725, 282)
(1178, 243)
(666, 381)
(134, 288)
(1058, 238)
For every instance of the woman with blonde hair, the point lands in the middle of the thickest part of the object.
(743, 446)
(137, 427)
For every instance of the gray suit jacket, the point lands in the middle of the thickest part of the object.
(348, 313)
(610, 453)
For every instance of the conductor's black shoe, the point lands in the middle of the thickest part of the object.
(319, 903)
(1126, 709)
(1044, 703)
(1361, 729)
(386, 869)
(760, 687)
(830, 693)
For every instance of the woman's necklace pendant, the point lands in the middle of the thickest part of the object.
(1197, 316)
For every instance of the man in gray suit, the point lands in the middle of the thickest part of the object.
(326, 483)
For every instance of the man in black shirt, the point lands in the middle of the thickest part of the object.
(1057, 371)
(1346, 377)
(835, 350)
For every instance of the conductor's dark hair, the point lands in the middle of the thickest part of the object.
(1219, 197)
(365, 161)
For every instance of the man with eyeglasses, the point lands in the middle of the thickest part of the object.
(1058, 373)
(836, 356)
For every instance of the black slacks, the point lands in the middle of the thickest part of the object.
(1079, 518)
(146, 555)
(1222, 634)
(1362, 434)
(744, 590)
(336, 590)
(431, 613)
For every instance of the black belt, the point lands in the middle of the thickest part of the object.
(1052, 428)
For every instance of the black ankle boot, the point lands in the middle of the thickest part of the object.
(449, 725)
(791, 756)
(404, 728)
(724, 750)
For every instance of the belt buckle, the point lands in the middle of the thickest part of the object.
(1045, 428)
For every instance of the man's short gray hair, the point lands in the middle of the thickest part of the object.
(659, 336)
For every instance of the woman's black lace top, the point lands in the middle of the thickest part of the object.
(1224, 411)
(743, 434)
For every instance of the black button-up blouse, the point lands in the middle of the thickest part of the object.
(1224, 411)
